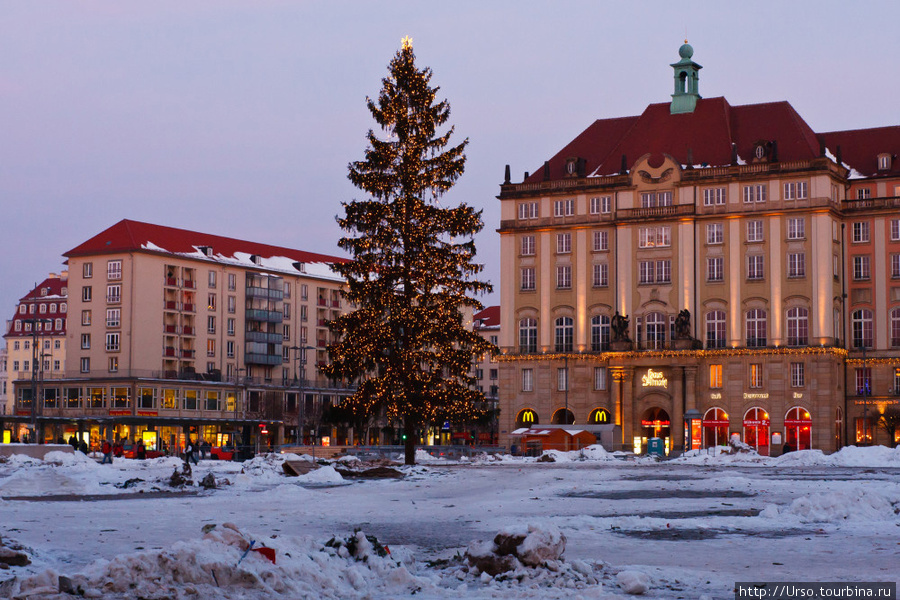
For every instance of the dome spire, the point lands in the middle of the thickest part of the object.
(687, 81)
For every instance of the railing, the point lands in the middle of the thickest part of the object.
(655, 212)
(264, 337)
(269, 316)
(887, 202)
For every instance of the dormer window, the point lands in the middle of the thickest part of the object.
(884, 162)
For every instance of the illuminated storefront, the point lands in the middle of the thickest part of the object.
(756, 430)
(715, 428)
(798, 429)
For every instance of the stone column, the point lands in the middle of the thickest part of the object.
(622, 395)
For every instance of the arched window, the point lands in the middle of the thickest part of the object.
(798, 326)
(715, 427)
(526, 418)
(599, 416)
(861, 327)
(528, 335)
(715, 329)
(656, 330)
(564, 334)
(600, 333)
(895, 328)
(797, 429)
(756, 429)
(756, 328)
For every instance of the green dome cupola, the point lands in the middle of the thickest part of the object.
(687, 82)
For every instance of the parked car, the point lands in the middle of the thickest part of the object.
(129, 452)
(228, 452)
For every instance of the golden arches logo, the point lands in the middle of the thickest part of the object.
(528, 416)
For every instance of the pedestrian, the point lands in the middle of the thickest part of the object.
(189, 452)
(141, 451)
(73, 441)
(106, 449)
(83, 447)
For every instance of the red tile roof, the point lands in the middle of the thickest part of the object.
(53, 297)
(489, 317)
(128, 236)
(708, 133)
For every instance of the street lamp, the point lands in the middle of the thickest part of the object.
(301, 403)
(35, 357)
(237, 383)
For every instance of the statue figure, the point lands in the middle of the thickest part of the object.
(619, 327)
(683, 325)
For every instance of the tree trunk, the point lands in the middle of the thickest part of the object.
(410, 446)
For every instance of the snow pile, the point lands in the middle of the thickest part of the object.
(325, 474)
(633, 582)
(264, 469)
(851, 505)
(223, 565)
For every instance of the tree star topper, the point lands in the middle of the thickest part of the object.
(407, 42)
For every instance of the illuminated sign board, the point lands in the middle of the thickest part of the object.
(757, 396)
(654, 379)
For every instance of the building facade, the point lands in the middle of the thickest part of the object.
(704, 270)
(487, 371)
(36, 341)
(178, 333)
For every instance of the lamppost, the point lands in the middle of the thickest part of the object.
(301, 401)
(35, 357)
(237, 402)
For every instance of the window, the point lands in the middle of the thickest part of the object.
(798, 326)
(861, 328)
(23, 310)
(286, 333)
(654, 199)
(715, 233)
(232, 304)
(646, 270)
(86, 293)
(114, 270)
(600, 205)
(715, 376)
(860, 232)
(755, 266)
(796, 228)
(211, 324)
(601, 241)
(600, 378)
(562, 379)
(564, 208)
(863, 381)
(112, 342)
(230, 326)
(85, 341)
(527, 380)
(527, 278)
(863, 194)
(58, 324)
(527, 245)
(113, 317)
(31, 308)
(563, 243)
(797, 264)
(286, 310)
(713, 196)
(663, 271)
(114, 294)
(303, 313)
(85, 317)
(56, 365)
(895, 230)
(755, 231)
(232, 282)
(190, 400)
(85, 365)
(756, 328)
(211, 301)
(564, 334)
(113, 364)
(87, 270)
(861, 270)
(211, 279)
(15, 365)
(656, 330)
(655, 237)
(715, 269)
(895, 329)
(601, 275)
(304, 291)
(229, 349)
(528, 335)
(564, 277)
(754, 193)
(210, 347)
(18, 325)
(600, 333)
(795, 190)
(884, 162)
(43, 309)
(63, 307)
(715, 329)
(756, 375)
(836, 267)
(528, 210)
(797, 375)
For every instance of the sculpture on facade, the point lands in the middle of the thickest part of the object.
(683, 325)
(619, 327)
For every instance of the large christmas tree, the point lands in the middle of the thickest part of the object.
(412, 274)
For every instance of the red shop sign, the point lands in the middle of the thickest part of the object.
(716, 423)
(655, 423)
(797, 422)
(756, 422)
(119, 413)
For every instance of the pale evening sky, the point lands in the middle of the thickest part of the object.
(239, 118)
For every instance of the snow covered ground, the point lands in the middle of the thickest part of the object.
(685, 528)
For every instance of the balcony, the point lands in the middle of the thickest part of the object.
(188, 307)
(187, 354)
(171, 282)
(321, 343)
(266, 316)
(171, 305)
(322, 323)
(322, 302)
(190, 284)
(187, 330)
(169, 351)
(263, 359)
(264, 337)
(169, 328)
(335, 304)
(265, 293)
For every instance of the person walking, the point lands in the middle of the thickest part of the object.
(141, 452)
(106, 449)
(189, 452)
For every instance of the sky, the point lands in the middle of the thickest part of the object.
(240, 118)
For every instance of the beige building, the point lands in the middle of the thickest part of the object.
(176, 333)
(704, 270)
(487, 370)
